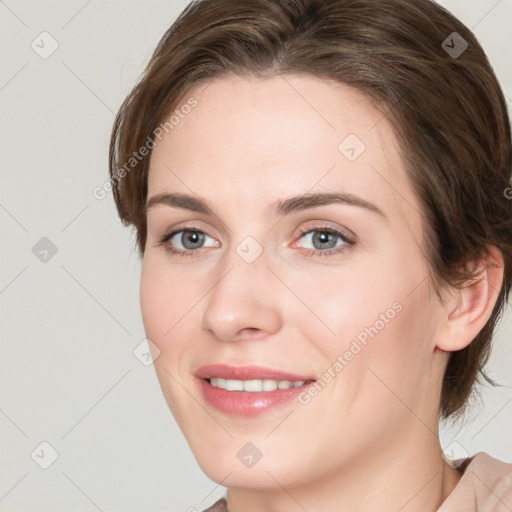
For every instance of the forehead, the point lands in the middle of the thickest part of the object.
(263, 139)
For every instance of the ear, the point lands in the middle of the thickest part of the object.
(468, 309)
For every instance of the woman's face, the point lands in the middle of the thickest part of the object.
(262, 280)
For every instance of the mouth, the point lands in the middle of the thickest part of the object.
(249, 391)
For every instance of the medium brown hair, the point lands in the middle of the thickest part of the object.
(447, 109)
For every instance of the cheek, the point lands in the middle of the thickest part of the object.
(393, 366)
(377, 318)
(166, 299)
(347, 305)
(154, 301)
(167, 306)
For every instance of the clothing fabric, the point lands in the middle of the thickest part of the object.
(218, 506)
(485, 486)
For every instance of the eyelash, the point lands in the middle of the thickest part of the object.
(349, 241)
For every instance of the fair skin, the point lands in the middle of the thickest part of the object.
(369, 439)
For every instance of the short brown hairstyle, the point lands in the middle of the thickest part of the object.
(447, 108)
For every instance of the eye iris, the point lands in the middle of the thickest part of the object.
(324, 237)
(194, 237)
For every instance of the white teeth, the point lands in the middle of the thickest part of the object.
(234, 385)
(269, 385)
(253, 385)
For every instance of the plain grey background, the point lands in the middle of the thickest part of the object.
(69, 277)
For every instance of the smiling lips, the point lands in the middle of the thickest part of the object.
(249, 390)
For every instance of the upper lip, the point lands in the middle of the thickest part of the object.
(247, 373)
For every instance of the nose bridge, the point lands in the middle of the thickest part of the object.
(243, 295)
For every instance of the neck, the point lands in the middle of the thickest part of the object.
(409, 475)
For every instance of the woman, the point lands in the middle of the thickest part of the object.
(319, 192)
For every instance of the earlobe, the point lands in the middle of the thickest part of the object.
(471, 306)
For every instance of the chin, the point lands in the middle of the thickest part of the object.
(249, 462)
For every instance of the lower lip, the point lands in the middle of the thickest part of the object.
(246, 403)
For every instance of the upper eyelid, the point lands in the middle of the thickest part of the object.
(302, 231)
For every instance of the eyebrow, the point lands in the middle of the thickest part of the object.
(280, 207)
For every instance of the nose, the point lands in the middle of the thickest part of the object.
(243, 302)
